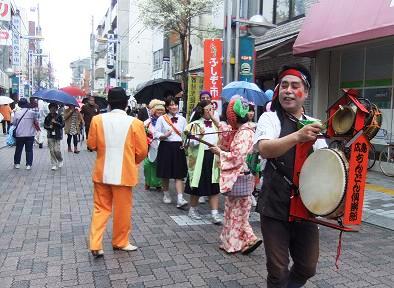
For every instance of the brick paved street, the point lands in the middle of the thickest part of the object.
(45, 215)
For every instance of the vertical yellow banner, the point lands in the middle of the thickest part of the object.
(195, 85)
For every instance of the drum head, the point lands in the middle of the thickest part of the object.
(323, 182)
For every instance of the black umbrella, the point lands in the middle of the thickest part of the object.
(156, 89)
(100, 101)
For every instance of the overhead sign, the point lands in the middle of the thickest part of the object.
(213, 69)
(110, 51)
(5, 10)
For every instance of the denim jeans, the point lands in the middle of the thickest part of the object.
(301, 240)
(28, 143)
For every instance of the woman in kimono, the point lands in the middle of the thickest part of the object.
(156, 110)
(237, 234)
(203, 170)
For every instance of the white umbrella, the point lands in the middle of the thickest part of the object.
(5, 100)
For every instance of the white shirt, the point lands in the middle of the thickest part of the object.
(269, 128)
(210, 138)
(162, 127)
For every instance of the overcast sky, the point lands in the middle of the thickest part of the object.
(66, 27)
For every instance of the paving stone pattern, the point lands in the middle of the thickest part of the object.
(44, 221)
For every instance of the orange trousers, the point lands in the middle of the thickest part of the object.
(105, 197)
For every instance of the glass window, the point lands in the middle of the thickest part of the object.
(379, 66)
(297, 8)
(282, 11)
(268, 10)
(352, 68)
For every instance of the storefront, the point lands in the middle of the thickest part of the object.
(353, 46)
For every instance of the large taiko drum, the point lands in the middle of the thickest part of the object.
(323, 183)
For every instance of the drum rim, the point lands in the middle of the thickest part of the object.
(345, 187)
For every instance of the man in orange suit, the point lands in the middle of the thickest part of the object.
(121, 144)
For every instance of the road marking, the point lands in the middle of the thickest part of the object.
(379, 189)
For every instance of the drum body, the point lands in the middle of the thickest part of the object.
(323, 183)
(344, 118)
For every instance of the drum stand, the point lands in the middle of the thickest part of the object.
(356, 151)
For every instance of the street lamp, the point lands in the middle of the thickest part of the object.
(257, 27)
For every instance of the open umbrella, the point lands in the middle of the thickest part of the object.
(249, 91)
(56, 96)
(73, 91)
(156, 89)
(5, 100)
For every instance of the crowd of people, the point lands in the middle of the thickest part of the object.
(209, 156)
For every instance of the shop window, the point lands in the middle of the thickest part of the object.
(297, 8)
(157, 59)
(282, 11)
(286, 10)
(379, 96)
(268, 10)
(352, 68)
(379, 66)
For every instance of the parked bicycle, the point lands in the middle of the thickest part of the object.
(340, 145)
(386, 157)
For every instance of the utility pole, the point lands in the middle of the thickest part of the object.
(93, 60)
(38, 48)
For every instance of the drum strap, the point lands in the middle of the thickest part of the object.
(278, 170)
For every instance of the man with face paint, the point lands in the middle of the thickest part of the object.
(276, 139)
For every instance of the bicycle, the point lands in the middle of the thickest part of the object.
(340, 145)
(386, 157)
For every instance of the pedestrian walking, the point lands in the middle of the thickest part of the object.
(276, 139)
(6, 111)
(237, 234)
(73, 121)
(150, 165)
(54, 124)
(26, 125)
(121, 144)
(171, 158)
(88, 111)
(203, 169)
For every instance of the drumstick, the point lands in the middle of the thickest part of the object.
(326, 122)
(191, 136)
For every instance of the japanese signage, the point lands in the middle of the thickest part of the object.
(213, 69)
(357, 177)
(110, 50)
(195, 84)
(16, 52)
(246, 59)
(5, 10)
(5, 38)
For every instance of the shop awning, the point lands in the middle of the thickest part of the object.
(332, 23)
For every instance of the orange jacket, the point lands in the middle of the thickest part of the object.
(121, 144)
(5, 110)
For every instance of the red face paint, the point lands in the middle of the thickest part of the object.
(299, 94)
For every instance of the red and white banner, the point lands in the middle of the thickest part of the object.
(213, 69)
(5, 38)
(5, 10)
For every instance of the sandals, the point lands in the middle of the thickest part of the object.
(252, 246)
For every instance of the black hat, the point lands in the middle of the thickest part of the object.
(116, 95)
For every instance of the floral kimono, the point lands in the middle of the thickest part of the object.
(237, 233)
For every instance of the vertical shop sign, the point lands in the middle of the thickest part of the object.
(213, 69)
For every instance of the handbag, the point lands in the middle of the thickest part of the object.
(16, 126)
(243, 186)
